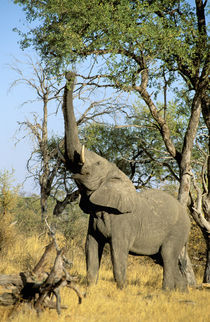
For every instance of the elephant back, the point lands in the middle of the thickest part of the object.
(160, 205)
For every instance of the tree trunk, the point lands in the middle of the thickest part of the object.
(206, 277)
(185, 164)
(43, 202)
(206, 209)
(185, 174)
(206, 198)
(61, 205)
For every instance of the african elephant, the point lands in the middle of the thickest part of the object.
(147, 223)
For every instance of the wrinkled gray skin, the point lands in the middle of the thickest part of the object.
(147, 223)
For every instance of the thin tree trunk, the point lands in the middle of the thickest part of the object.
(43, 202)
(185, 164)
(206, 277)
(203, 81)
(45, 156)
(206, 198)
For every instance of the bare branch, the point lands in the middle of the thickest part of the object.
(197, 208)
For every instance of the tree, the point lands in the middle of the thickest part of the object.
(47, 90)
(145, 46)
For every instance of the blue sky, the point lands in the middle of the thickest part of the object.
(14, 156)
(11, 156)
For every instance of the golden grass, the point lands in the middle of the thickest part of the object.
(141, 300)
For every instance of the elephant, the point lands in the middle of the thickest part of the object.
(150, 223)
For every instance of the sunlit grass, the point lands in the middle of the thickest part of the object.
(141, 300)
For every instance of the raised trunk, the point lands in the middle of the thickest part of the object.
(72, 143)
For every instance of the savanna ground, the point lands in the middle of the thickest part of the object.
(141, 300)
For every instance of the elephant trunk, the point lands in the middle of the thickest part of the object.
(72, 143)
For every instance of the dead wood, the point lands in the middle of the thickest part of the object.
(44, 260)
(11, 281)
(39, 287)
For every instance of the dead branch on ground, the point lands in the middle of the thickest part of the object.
(39, 287)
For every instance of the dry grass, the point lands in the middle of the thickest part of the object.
(141, 300)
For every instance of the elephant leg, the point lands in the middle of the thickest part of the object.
(169, 264)
(180, 280)
(93, 249)
(119, 255)
(172, 277)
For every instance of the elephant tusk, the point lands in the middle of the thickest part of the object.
(83, 155)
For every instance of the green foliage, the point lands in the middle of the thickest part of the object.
(70, 30)
(7, 233)
(72, 224)
(125, 38)
(116, 145)
(28, 215)
(137, 148)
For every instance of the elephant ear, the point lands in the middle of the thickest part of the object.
(115, 193)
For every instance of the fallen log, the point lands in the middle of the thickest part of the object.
(11, 281)
(39, 287)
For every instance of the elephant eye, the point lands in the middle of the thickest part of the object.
(98, 162)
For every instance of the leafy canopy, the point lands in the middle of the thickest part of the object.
(165, 32)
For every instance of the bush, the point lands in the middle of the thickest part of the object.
(73, 224)
(8, 233)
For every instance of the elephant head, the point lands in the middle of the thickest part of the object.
(98, 179)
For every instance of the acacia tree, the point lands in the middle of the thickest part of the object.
(146, 47)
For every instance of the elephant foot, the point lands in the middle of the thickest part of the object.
(181, 287)
(91, 280)
(90, 283)
(120, 284)
(168, 288)
(177, 286)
